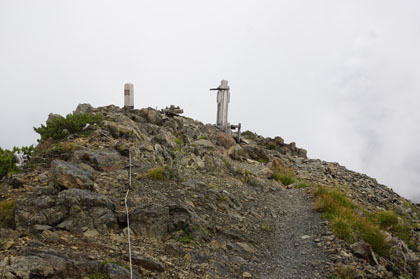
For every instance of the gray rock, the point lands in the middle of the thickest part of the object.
(150, 264)
(53, 116)
(204, 143)
(157, 221)
(102, 160)
(71, 175)
(364, 250)
(83, 108)
(115, 271)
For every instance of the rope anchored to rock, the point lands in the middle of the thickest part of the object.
(128, 218)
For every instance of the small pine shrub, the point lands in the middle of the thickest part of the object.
(7, 159)
(202, 137)
(61, 127)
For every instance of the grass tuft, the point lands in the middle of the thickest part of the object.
(284, 175)
(7, 213)
(179, 141)
(346, 221)
(155, 174)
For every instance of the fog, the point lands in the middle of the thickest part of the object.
(341, 79)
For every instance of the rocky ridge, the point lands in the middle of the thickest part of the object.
(201, 206)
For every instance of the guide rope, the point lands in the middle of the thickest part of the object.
(128, 219)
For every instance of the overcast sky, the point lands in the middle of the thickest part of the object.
(340, 78)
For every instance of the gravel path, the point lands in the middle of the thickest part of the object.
(294, 251)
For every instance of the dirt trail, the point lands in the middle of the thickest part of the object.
(295, 253)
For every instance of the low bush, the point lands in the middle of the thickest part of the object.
(7, 159)
(59, 128)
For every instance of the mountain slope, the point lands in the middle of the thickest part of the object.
(201, 206)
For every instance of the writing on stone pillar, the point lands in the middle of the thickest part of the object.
(129, 95)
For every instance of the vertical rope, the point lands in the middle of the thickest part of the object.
(128, 219)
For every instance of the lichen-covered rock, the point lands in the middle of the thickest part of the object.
(71, 210)
(71, 175)
(101, 160)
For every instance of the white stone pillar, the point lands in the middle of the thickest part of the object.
(223, 99)
(129, 95)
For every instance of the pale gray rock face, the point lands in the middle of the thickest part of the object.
(53, 116)
(83, 108)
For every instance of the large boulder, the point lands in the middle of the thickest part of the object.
(41, 263)
(225, 140)
(157, 221)
(72, 210)
(101, 160)
(71, 175)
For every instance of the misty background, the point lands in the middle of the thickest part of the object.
(340, 78)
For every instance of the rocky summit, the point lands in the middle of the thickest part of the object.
(200, 205)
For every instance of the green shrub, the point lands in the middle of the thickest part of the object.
(202, 137)
(186, 236)
(59, 128)
(155, 174)
(272, 146)
(7, 159)
(7, 213)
